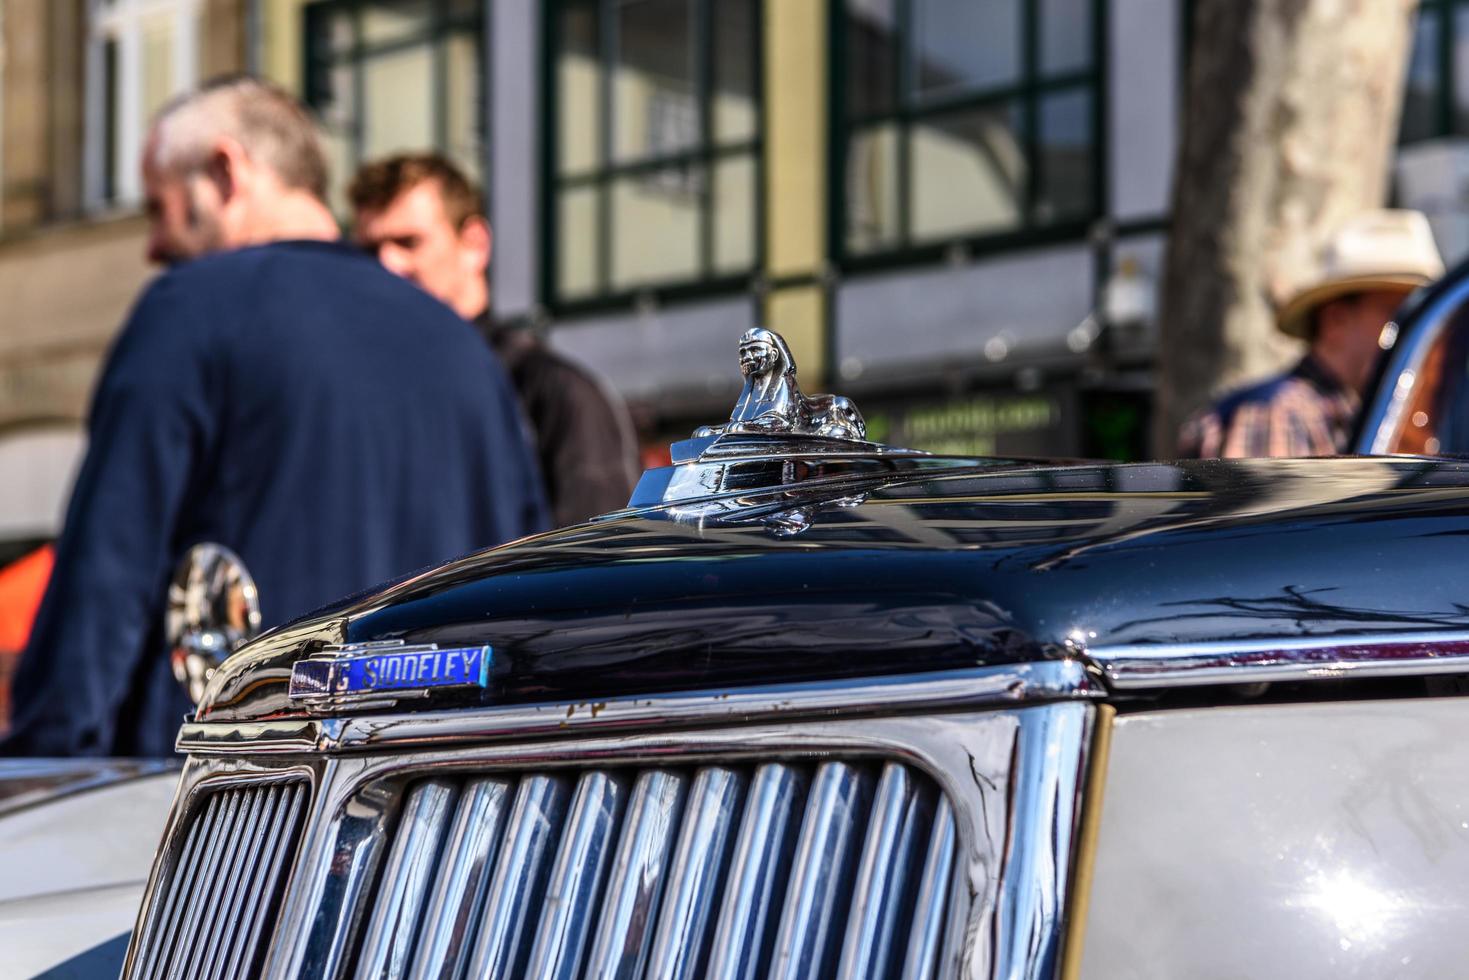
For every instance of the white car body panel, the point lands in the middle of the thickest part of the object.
(72, 872)
(1293, 840)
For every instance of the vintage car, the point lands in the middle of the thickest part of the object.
(816, 707)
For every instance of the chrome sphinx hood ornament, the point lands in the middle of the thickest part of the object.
(771, 402)
(776, 438)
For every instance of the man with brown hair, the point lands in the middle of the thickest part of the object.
(276, 392)
(423, 219)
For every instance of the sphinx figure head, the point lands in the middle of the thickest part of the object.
(771, 400)
(764, 353)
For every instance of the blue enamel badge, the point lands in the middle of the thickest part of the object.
(372, 671)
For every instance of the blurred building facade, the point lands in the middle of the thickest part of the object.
(926, 197)
(78, 80)
(955, 211)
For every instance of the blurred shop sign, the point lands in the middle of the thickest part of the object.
(979, 424)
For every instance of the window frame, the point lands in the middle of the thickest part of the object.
(115, 120)
(1444, 70)
(444, 24)
(704, 154)
(1027, 91)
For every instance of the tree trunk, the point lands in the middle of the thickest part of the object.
(1290, 119)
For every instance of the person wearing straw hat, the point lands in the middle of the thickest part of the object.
(1369, 267)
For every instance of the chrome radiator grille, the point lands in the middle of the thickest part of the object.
(218, 903)
(931, 837)
(837, 869)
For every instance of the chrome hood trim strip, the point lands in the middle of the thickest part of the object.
(1051, 680)
(1146, 666)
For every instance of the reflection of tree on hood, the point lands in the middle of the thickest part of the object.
(1307, 607)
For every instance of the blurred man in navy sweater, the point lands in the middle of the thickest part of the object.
(277, 392)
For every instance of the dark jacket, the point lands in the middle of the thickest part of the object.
(326, 420)
(583, 436)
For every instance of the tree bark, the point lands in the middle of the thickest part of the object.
(1290, 119)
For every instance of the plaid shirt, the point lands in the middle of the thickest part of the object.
(1304, 412)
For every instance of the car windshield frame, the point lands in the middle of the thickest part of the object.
(1398, 383)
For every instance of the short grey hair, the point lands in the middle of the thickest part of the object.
(274, 129)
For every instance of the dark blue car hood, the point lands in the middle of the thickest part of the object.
(926, 570)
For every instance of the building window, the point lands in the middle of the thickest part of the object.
(963, 122)
(652, 147)
(388, 76)
(1436, 98)
(139, 54)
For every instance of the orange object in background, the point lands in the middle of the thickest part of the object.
(22, 584)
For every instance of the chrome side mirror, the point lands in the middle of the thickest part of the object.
(213, 608)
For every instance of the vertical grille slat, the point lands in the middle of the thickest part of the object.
(696, 874)
(405, 881)
(825, 863)
(469, 853)
(926, 940)
(278, 801)
(250, 825)
(576, 878)
(277, 848)
(756, 885)
(189, 947)
(902, 814)
(636, 881)
(518, 884)
(222, 888)
(154, 945)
